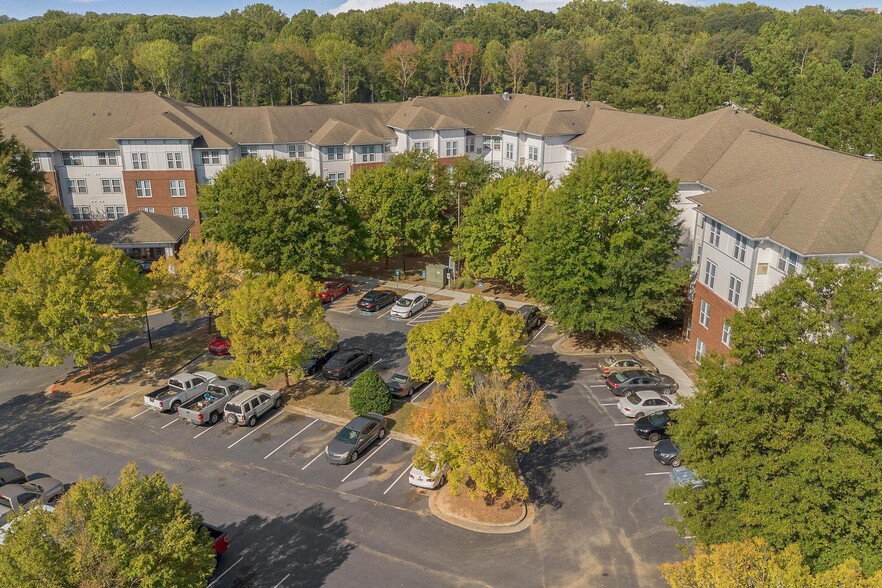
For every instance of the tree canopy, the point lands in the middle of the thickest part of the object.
(67, 296)
(369, 393)
(786, 430)
(602, 249)
(140, 532)
(285, 217)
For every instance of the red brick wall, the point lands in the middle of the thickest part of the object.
(357, 166)
(89, 226)
(712, 335)
(162, 201)
(52, 186)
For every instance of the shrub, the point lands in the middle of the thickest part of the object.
(462, 283)
(370, 394)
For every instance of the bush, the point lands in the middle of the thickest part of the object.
(462, 283)
(370, 394)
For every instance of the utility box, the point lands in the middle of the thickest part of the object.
(436, 275)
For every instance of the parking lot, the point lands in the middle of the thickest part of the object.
(296, 520)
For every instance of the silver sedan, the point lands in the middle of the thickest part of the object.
(643, 402)
(409, 304)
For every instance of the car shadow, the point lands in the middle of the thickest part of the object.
(29, 421)
(552, 373)
(387, 347)
(580, 445)
(298, 550)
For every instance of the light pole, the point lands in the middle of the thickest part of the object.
(149, 337)
(462, 186)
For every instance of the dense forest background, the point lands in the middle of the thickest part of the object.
(815, 71)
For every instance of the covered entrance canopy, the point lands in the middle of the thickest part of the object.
(146, 236)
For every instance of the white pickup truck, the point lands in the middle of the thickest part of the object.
(208, 408)
(181, 388)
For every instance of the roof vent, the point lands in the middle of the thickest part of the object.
(109, 113)
(506, 96)
(870, 155)
(93, 114)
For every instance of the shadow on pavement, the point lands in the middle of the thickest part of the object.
(301, 549)
(581, 445)
(29, 421)
(552, 373)
(388, 347)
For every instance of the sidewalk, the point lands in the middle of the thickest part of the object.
(665, 364)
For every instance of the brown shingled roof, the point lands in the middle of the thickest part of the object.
(161, 126)
(144, 228)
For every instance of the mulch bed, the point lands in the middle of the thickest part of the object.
(608, 343)
(483, 509)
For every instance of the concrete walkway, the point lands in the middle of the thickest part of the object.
(665, 364)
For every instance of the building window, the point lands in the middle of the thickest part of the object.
(422, 146)
(734, 290)
(81, 213)
(451, 148)
(714, 236)
(211, 158)
(704, 313)
(139, 161)
(111, 186)
(181, 211)
(297, 151)
(249, 151)
(174, 159)
(76, 186)
(573, 156)
(334, 153)
(533, 153)
(688, 327)
(114, 212)
(740, 247)
(497, 143)
(333, 178)
(700, 349)
(146, 209)
(509, 150)
(177, 189)
(143, 189)
(727, 334)
(710, 274)
(72, 158)
(35, 163)
(369, 153)
(787, 261)
(470, 144)
(108, 158)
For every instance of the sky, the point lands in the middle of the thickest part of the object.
(27, 8)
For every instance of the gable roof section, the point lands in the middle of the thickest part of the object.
(335, 132)
(161, 126)
(33, 140)
(141, 228)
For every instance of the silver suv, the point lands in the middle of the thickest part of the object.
(246, 408)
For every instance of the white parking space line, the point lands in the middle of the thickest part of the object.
(656, 474)
(257, 428)
(197, 435)
(349, 383)
(283, 581)
(587, 369)
(142, 412)
(385, 313)
(623, 424)
(169, 424)
(643, 447)
(312, 460)
(120, 400)
(609, 404)
(216, 580)
(364, 460)
(426, 387)
(401, 475)
(597, 385)
(539, 333)
(291, 437)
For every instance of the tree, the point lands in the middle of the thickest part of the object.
(140, 532)
(472, 339)
(492, 67)
(461, 62)
(27, 213)
(401, 62)
(200, 279)
(480, 429)
(341, 60)
(161, 63)
(401, 205)
(369, 393)
(275, 324)
(786, 430)
(285, 217)
(516, 59)
(68, 296)
(491, 237)
(608, 264)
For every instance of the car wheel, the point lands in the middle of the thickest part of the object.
(676, 462)
(370, 358)
(666, 391)
(252, 421)
(353, 457)
(409, 392)
(278, 402)
(348, 374)
(639, 415)
(654, 437)
(381, 434)
(331, 300)
(175, 405)
(231, 419)
(214, 418)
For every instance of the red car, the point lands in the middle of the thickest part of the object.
(333, 290)
(219, 345)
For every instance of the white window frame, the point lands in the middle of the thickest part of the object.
(787, 261)
(149, 209)
(509, 151)
(174, 159)
(35, 163)
(249, 151)
(108, 158)
(470, 143)
(81, 212)
(77, 186)
(139, 160)
(713, 236)
(497, 143)
(704, 313)
(710, 274)
(451, 148)
(533, 153)
(297, 151)
(368, 153)
(181, 211)
(727, 334)
(114, 212)
(177, 188)
(735, 284)
(72, 158)
(334, 177)
(741, 243)
(111, 186)
(143, 189)
(421, 146)
(211, 157)
(700, 350)
(334, 153)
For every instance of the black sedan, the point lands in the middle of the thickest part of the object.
(316, 362)
(654, 426)
(667, 453)
(345, 363)
(621, 383)
(377, 299)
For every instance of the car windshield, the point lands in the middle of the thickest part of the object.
(398, 379)
(330, 286)
(215, 389)
(234, 408)
(405, 302)
(4, 502)
(619, 377)
(658, 418)
(633, 399)
(338, 360)
(347, 435)
(609, 360)
(369, 297)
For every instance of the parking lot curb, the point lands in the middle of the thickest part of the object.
(527, 517)
(342, 422)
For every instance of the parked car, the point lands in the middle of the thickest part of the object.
(208, 408)
(11, 475)
(667, 453)
(249, 406)
(220, 345)
(622, 362)
(355, 438)
(409, 304)
(681, 476)
(431, 480)
(346, 362)
(532, 316)
(331, 291)
(220, 540)
(316, 362)
(620, 383)
(500, 305)
(401, 385)
(5, 524)
(377, 299)
(180, 388)
(653, 427)
(642, 402)
(17, 496)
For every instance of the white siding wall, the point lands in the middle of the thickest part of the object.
(557, 156)
(156, 150)
(92, 174)
(456, 136)
(204, 173)
(723, 256)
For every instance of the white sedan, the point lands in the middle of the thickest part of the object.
(643, 402)
(409, 304)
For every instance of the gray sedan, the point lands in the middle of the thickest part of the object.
(355, 438)
(400, 385)
(620, 383)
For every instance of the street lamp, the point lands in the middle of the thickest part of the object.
(462, 186)
(149, 337)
